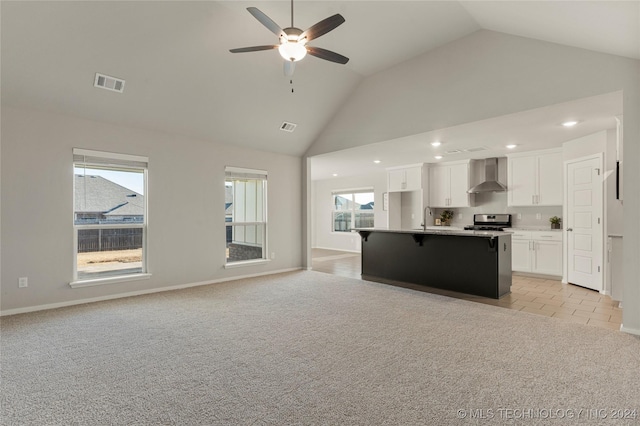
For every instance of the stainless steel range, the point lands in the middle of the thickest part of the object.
(490, 222)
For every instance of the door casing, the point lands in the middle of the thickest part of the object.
(599, 252)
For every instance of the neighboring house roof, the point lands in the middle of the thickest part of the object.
(341, 201)
(95, 194)
(368, 206)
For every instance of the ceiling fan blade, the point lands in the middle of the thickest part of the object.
(266, 21)
(289, 68)
(253, 48)
(327, 55)
(322, 27)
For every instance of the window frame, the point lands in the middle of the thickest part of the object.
(352, 192)
(232, 172)
(111, 161)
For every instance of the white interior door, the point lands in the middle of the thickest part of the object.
(584, 224)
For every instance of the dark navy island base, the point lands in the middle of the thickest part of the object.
(472, 262)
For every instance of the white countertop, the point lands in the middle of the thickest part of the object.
(531, 228)
(439, 230)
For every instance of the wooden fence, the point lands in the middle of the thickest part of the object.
(90, 240)
(342, 221)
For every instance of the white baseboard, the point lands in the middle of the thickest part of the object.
(337, 249)
(635, 331)
(137, 293)
(541, 276)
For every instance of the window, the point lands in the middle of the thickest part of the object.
(352, 209)
(109, 217)
(245, 215)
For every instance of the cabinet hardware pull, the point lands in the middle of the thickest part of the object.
(569, 229)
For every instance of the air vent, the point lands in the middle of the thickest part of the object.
(288, 127)
(480, 148)
(110, 83)
(453, 151)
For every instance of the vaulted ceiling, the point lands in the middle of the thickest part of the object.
(182, 79)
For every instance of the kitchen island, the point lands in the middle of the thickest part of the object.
(472, 262)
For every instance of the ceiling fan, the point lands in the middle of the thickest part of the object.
(293, 41)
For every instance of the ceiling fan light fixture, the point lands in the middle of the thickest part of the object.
(293, 40)
(292, 51)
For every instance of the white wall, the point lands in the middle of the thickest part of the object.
(322, 207)
(410, 209)
(186, 241)
(489, 74)
(587, 145)
(615, 217)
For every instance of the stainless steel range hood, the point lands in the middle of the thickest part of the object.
(490, 183)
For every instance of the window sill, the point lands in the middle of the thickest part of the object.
(111, 280)
(246, 263)
(350, 233)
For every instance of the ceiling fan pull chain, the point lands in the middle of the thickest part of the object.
(291, 83)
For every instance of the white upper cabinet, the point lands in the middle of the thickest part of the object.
(439, 186)
(521, 181)
(535, 179)
(448, 185)
(459, 185)
(404, 179)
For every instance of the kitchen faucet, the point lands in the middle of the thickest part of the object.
(424, 217)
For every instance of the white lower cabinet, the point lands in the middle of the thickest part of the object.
(520, 254)
(537, 252)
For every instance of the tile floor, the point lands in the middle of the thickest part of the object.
(535, 295)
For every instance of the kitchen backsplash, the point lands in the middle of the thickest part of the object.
(496, 202)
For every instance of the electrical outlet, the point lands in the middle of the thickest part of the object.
(273, 255)
(23, 282)
(519, 216)
(538, 216)
(459, 215)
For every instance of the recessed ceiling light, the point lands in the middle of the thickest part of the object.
(335, 174)
(438, 157)
(436, 143)
(569, 123)
(377, 161)
(511, 146)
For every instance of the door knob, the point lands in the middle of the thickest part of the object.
(569, 229)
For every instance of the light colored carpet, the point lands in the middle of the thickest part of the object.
(310, 348)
